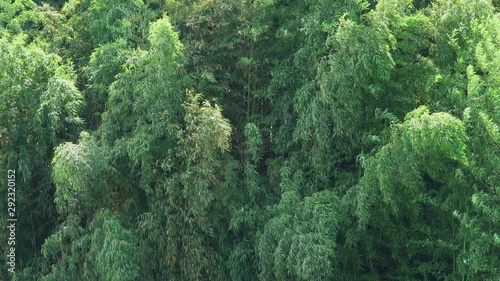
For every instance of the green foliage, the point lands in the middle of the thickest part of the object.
(103, 22)
(39, 109)
(105, 63)
(439, 136)
(48, 94)
(79, 189)
(114, 248)
(206, 133)
(299, 242)
(60, 105)
(478, 258)
(402, 187)
(144, 101)
(479, 231)
(65, 251)
(335, 140)
(247, 214)
(104, 251)
(182, 203)
(14, 13)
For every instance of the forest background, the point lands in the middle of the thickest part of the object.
(251, 140)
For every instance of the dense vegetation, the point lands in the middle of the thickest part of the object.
(251, 140)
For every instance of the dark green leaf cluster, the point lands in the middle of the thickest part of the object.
(251, 140)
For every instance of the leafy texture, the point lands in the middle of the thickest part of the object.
(251, 140)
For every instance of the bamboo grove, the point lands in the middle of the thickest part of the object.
(251, 140)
